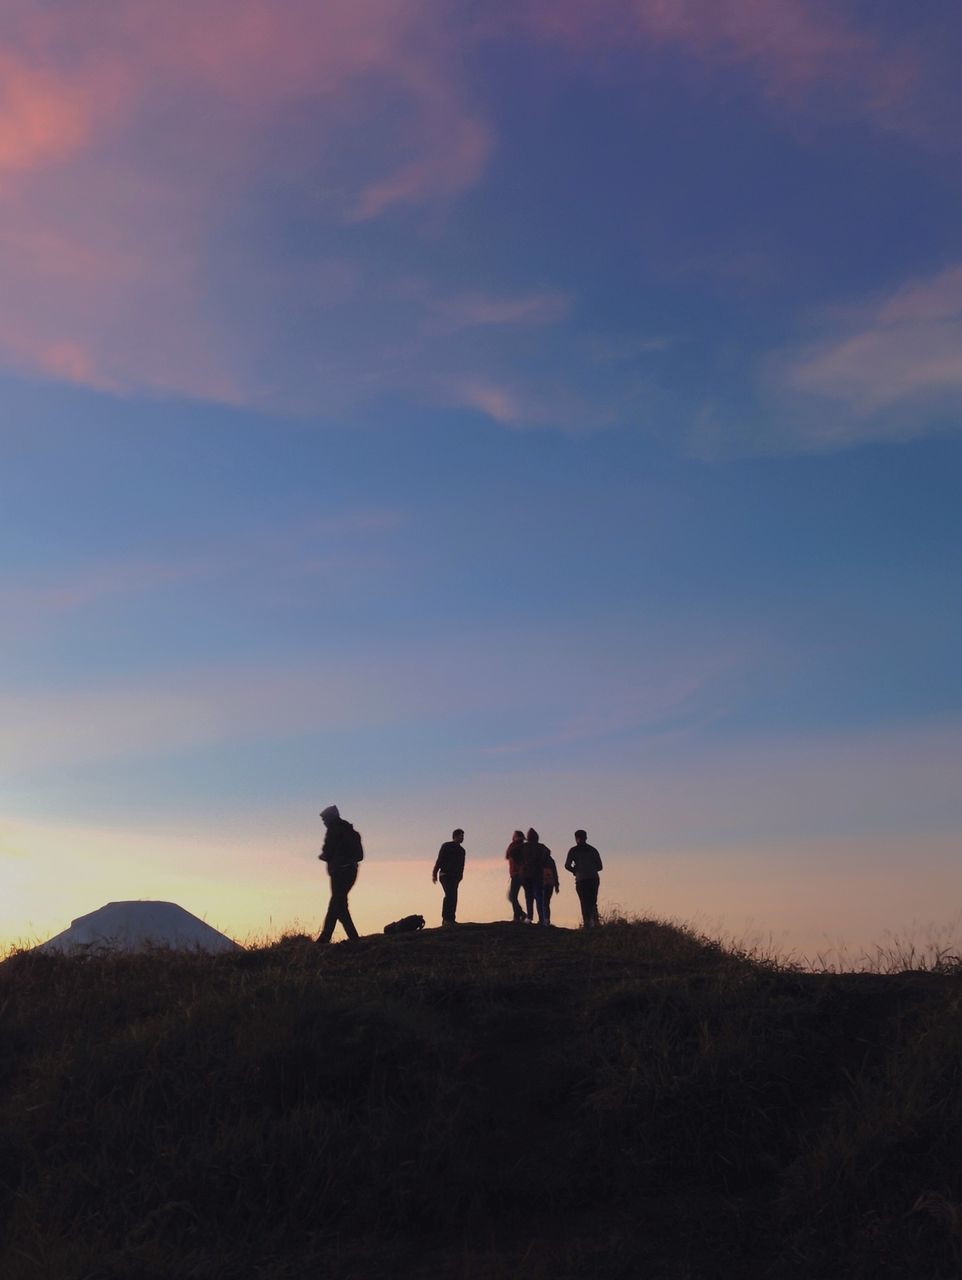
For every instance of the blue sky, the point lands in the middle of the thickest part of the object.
(450, 418)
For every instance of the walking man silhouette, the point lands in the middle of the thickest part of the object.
(449, 868)
(342, 852)
(584, 863)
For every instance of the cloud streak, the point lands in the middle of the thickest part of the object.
(881, 369)
(794, 46)
(327, 547)
(514, 680)
(530, 310)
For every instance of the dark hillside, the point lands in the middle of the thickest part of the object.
(491, 1101)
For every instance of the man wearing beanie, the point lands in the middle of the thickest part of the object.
(342, 852)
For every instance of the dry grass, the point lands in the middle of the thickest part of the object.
(484, 1102)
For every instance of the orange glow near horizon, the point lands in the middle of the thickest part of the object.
(834, 899)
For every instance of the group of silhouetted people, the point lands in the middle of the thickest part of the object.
(531, 870)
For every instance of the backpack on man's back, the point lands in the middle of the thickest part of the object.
(352, 843)
(342, 845)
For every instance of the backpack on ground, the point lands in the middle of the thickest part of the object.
(409, 924)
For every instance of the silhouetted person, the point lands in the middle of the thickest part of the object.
(449, 869)
(533, 857)
(550, 883)
(342, 852)
(584, 863)
(515, 858)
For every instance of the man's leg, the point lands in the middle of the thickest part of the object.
(539, 901)
(528, 887)
(513, 892)
(445, 907)
(344, 877)
(331, 918)
(594, 884)
(449, 908)
(584, 897)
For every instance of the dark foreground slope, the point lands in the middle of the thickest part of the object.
(485, 1102)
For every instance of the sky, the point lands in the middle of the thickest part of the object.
(482, 416)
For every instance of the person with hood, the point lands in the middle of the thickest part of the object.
(584, 863)
(449, 868)
(551, 884)
(342, 852)
(533, 862)
(514, 856)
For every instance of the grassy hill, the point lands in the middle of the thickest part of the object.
(487, 1102)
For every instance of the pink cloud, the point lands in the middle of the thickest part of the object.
(536, 402)
(494, 401)
(888, 354)
(531, 309)
(41, 119)
(456, 163)
(793, 45)
(127, 132)
(937, 297)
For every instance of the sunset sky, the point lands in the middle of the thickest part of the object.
(485, 415)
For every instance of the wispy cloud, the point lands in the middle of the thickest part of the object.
(793, 46)
(877, 366)
(325, 546)
(28, 602)
(499, 403)
(78, 79)
(163, 713)
(626, 348)
(515, 680)
(525, 310)
(528, 400)
(667, 706)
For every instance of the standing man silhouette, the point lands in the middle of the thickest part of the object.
(551, 884)
(534, 856)
(584, 863)
(514, 855)
(449, 868)
(342, 852)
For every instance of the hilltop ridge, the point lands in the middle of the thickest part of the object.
(487, 1101)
